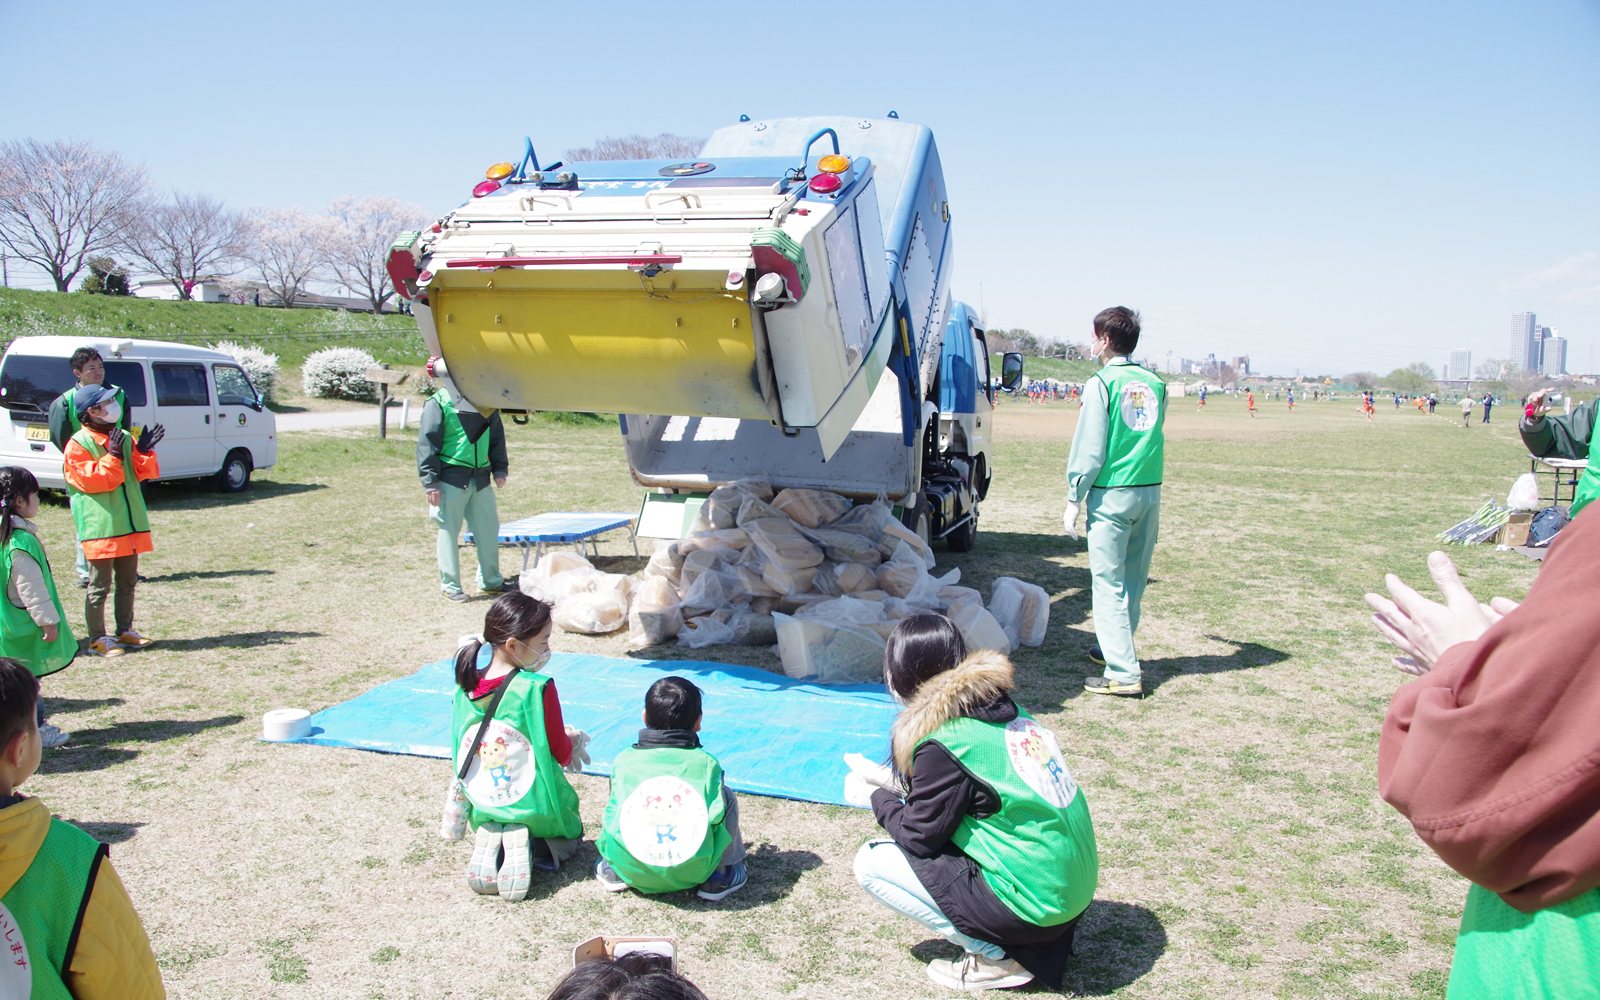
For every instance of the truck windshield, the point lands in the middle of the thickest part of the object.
(31, 383)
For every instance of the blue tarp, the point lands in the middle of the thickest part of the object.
(774, 735)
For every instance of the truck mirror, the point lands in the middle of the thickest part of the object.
(1010, 371)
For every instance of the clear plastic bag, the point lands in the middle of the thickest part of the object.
(955, 597)
(901, 574)
(781, 543)
(1022, 609)
(811, 508)
(751, 628)
(793, 581)
(845, 546)
(1524, 493)
(754, 509)
(851, 577)
(592, 613)
(980, 630)
(565, 584)
(733, 538)
(704, 596)
(829, 653)
(704, 631)
(556, 562)
(666, 562)
(843, 611)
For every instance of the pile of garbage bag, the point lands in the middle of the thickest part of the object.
(825, 580)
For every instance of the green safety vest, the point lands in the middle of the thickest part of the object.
(664, 825)
(20, 638)
(1588, 484)
(1136, 402)
(1502, 952)
(456, 448)
(1038, 852)
(116, 512)
(515, 778)
(40, 915)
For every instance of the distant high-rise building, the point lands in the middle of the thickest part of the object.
(1554, 362)
(1460, 365)
(1241, 365)
(1525, 341)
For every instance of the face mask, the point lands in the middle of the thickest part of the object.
(113, 412)
(542, 659)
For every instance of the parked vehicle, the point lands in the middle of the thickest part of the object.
(217, 425)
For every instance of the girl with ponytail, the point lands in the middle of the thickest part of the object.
(33, 628)
(511, 747)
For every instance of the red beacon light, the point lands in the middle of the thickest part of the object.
(485, 187)
(826, 183)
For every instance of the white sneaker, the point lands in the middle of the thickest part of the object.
(975, 972)
(483, 871)
(52, 736)
(515, 871)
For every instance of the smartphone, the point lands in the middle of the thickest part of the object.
(601, 948)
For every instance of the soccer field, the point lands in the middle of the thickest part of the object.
(1244, 851)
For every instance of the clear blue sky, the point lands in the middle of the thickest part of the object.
(1325, 187)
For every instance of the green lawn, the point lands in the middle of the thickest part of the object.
(1244, 850)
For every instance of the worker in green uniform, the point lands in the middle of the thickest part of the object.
(1568, 436)
(1114, 472)
(89, 368)
(458, 452)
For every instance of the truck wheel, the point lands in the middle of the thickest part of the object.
(915, 517)
(234, 476)
(964, 538)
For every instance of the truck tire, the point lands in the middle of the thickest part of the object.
(234, 476)
(964, 538)
(915, 517)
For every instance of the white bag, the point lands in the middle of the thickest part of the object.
(829, 653)
(592, 613)
(781, 543)
(1524, 493)
(565, 584)
(811, 508)
(1022, 609)
(704, 631)
(980, 630)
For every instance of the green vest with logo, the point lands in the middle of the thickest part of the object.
(116, 512)
(456, 448)
(20, 638)
(1503, 952)
(515, 778)
(1136, 402)
(663, 829)
(42, 913)
(1038, 852)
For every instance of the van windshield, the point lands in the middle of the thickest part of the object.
(30, 383)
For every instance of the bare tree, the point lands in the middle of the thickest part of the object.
(665, 146)
(184, 239)
(359, 237)
(288, 252)
(63, 202)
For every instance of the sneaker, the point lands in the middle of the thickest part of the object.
(458, 597)
(515, 872)
(506, 587)
(606, 876)
(1095, 656)
(542, 858)
(52, 736)
(483, 871)
(131, 638)
(724, 882)
(975, 972)
(105, 646)
(1105, 685)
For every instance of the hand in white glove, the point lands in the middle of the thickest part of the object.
(857, 791)
(1069, 520)
(580, 750)
(877, 775)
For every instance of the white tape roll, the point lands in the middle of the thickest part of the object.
(286, 724)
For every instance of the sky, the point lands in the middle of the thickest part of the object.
(1326, 188)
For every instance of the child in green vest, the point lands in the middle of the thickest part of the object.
(69, 929)
(33, 628)
(672, 823)
(511, 747)
(1114, 471)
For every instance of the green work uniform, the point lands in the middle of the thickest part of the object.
(40, 915)
(664, 825)
(1038, 851)
(1115, 470)
(1505, 954)
(1570, 436)
(64, 423)
(116, 512)
(20, 637)
(448, 453)
(515, 778)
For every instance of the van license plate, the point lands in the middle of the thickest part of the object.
(38, 432)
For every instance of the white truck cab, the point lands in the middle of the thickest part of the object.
(217, 425)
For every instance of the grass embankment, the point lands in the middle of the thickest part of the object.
(1244, 850)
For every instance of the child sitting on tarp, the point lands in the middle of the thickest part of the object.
(672, 822)
(510, 749)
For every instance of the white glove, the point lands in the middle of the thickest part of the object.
(1069, 520)
(857, 791)
(876, 775)
(580, 753)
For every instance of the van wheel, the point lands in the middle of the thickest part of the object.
(964, 538)
(235, 474)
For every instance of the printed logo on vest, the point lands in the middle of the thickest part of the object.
(1037, 761)
(16, 974)
(664, 821)
(502, 769)
(1138, 405)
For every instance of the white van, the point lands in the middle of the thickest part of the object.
(216, 423)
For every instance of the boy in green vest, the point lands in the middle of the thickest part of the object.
(1114, 471)
(671, 823)
(458, 452)
(67, 927)
(90, 369)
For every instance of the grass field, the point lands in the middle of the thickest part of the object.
(1244, 850)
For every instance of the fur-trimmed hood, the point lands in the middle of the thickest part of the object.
(974, 682)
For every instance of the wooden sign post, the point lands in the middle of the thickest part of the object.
(385, 378)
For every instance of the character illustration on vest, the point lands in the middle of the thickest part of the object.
(16, 970)
(664, 821)
(1037, 760)
(502, 769)
(1138, 406)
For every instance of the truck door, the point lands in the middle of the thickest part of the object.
(183, 405)
(239, 423)
(982, 415)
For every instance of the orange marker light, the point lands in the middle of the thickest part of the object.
(833, 163)
(499, 172)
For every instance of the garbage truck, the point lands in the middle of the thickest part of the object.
(777, 307)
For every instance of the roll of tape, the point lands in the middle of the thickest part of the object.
(286, 724)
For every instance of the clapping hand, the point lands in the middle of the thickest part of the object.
(1424, 629)
(149, 438)
(116, 437)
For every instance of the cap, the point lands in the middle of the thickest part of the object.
(89, 396)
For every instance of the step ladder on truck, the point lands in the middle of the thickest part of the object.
(776, 308)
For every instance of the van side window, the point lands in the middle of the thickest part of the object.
(181, 384)
(129, 377)
(233, 386)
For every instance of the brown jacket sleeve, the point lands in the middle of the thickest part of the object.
(113, 960)
(1494, 756)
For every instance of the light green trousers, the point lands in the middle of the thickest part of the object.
(478, 510)
(1122, 521)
